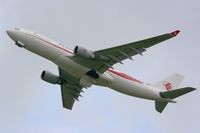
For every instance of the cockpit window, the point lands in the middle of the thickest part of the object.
(16, 28)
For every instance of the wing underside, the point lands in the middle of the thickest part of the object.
(118, 54)
(70, 89)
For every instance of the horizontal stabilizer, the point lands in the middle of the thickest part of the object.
(160, 105)
(176, 93)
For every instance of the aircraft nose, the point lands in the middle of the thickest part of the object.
(11, 34)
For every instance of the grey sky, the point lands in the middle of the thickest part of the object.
(30, 105)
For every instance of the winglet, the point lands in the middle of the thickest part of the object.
(175, 33)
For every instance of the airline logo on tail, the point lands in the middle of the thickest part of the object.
(168, 86)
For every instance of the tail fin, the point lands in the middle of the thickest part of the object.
(159, 105)
(169, 83)
(167, 87)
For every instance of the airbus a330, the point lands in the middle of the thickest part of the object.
(81, 68)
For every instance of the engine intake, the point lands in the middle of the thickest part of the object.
(50, 77)
(82, 52)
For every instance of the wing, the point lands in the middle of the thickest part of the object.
(117, 54)
(70, 89)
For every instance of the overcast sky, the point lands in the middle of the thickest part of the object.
(28, 104)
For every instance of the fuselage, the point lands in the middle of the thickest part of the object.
(62, 57)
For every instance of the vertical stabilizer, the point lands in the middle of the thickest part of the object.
(169, 83)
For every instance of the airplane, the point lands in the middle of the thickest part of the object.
(81, 68)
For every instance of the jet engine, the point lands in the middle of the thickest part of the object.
(50, 77)
(82, 52)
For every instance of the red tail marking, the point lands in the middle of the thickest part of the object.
(168, 86)
(175, 33)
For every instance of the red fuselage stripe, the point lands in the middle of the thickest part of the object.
(124, 75)
(42, 39)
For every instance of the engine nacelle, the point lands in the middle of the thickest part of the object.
(82, 52)
(50, 77)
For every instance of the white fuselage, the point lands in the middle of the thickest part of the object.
(60, 55)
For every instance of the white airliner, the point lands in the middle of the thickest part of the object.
(80, 68)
